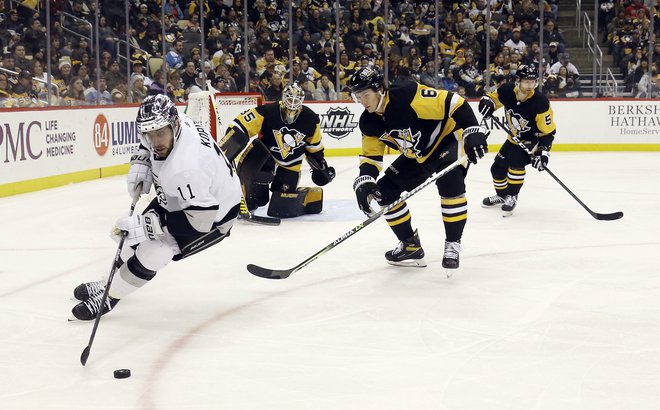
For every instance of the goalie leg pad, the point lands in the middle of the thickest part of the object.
(255, 170)
(292, 204)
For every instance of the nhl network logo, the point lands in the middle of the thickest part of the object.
(338, 122)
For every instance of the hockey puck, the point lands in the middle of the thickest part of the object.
(122, 373)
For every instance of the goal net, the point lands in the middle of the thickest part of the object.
(215, 111)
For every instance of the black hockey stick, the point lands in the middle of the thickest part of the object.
(246, 215)
(283, 274)
(601, 217)
(115, 264)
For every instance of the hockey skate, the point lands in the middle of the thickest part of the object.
(492, 201)
(88, 309)
(84, 291)
(509, 205)
(450, 257)
(407, 253)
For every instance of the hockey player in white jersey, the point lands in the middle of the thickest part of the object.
(197, 201)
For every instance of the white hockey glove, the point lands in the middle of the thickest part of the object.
(138, 228)
(368, 194)
(140, 172)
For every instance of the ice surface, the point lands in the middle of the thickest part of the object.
(550, 309)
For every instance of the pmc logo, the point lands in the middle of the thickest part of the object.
(338, 122)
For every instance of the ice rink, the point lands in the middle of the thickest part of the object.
(550, 309)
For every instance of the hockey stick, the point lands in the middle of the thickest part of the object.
(601, 217)
(115, 264)
(283, 274)
(248, 216)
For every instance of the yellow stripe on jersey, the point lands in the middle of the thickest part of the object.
(373, 150)
(251, 121)
(314, 143)
(495, 96)
(429, 103)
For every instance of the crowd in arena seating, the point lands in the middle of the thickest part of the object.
(460, 66)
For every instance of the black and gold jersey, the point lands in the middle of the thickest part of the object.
(415, 121)
(286, 142)
(530, 119)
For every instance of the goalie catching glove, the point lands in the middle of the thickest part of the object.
(138, 228)
(367, 192)
(541, 158)
(140, 173)
(322, 174)
(474, 143)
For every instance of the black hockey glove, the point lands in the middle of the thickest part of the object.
(474, 143)
(366, 191)
(541, 158)
(322, 174)
(486, 106)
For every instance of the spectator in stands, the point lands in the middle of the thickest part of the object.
(35, 37)
(552, 34)
(325, 90)
(634, 7)
(158, 84)
(174, 57)
(75, 93)
(308, 71)
(114, 77)
(526, 11)
(552, 53)
(222, 73)
(527, 33)
(428, 75)
(317, 23)
(274, 90)
(63, 75)
(6, 100)
(92, 95)
(448, 82)
(138, 91)
(496, 44)
(471, 77)
(637, 68)
(20, 62)
(515, 43)
(565, 60)
(189, 74)
(306, 47)
(268, 58)
(645, 82)
(177, 91)
(448, 47)
(572, 89)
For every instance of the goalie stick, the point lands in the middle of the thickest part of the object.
(248, 216)
(285, 273)
(115, 265)
(601, 217)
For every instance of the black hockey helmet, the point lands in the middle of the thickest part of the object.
(365, 78)
(527, 72)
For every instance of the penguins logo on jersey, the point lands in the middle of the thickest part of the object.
(287, 140)
(517, 122)
(405, 140)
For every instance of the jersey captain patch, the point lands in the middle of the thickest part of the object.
(405, 140)
(287, 140)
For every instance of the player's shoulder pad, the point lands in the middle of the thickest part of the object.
(371, 124)
(309, 113)
(403, 92)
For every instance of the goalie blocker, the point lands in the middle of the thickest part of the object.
(255, 170)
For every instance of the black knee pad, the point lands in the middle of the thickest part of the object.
(452, 184)
(137, 269)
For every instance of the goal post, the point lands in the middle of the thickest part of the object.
(214, 111)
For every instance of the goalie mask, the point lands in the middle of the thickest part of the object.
(155, 113)
(293, 97)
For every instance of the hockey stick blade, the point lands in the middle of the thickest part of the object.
(608, 217)
(263, 220)
(268, 273)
